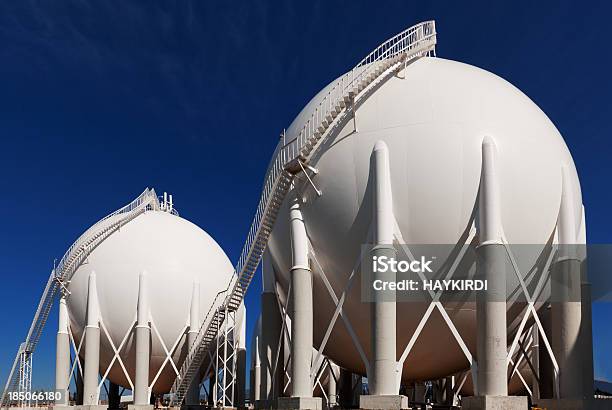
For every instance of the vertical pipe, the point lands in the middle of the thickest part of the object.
(419, 392)
(301, 306)
(383, 380)
(535, 360)
(92, 345)
(270, 333)
(256, 380)
(62, 354)
(357, 382)
(491, 304)
(449, 393)
(438, 390)
(252, 383)
(143, 335)
(332, 391)
(241, 363)
(565, 291)
(193, 394)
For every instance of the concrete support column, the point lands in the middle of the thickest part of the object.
(270, 333)
(384, 374)
(491, 323)
(92, 345)
(301, 309)
(62, 354)
(383, 381)
(332, 391)
(565, 292)
(301, 312)
(193, 393)
(492, 338)
(269, 337)
(239, 401)
(491, 305)
(143, 335)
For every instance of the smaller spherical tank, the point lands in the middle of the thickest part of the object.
(174, 254)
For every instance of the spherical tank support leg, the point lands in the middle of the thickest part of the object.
(92, 345)
(384, 373)
(143, 347)
(491, 337)
(301, 312)
(62, 355)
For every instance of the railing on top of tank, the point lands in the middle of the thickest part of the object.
(407, 42)
(148, 197)
(404, 42)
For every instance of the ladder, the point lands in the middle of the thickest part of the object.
(340, 101)
(20, 375)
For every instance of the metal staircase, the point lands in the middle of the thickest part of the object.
(20, 377)
(343, 97)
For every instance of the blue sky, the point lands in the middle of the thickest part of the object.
(101, 99)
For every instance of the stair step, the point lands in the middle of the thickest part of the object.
(275, 194)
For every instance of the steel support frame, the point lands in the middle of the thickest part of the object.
(25, 377)
(225, 363)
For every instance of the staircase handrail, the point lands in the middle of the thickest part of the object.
(403, 44)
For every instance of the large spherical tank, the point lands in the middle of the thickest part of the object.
(433, 117)
(174, 253)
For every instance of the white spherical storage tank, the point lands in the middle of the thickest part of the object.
(433, 116)
(176, 257)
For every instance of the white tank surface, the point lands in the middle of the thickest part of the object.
(433, 116)
(174, 253)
